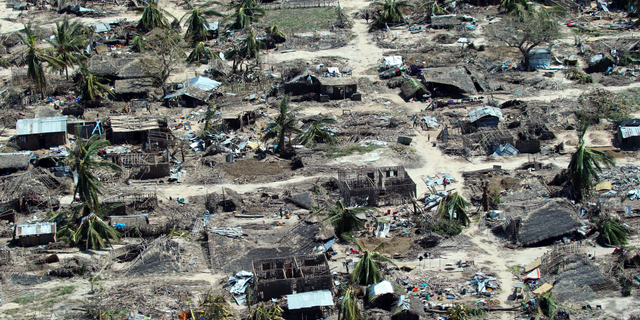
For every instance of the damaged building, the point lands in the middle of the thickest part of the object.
(376, 186)
(133, 130)
(279, 277)
(144, 165)
(451, 81)
(628, 135)
(41, 133)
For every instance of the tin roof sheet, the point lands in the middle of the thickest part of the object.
(628, 132)
(485, 111)
(321, 298)
(41, 125)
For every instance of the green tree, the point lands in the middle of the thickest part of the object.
(197, 21)
(349, 305)
(95, 232)
(344, 219)
(515, 7)
(200, 52)
(153, 16)
(318, 132)
(612, 233)
(391, 13)
(524, 33)
(246, 13)
(367, 269)
(432, 8)
(69, 42)
(215, 307)
(90, 86)
(586, 163)
(453, 207)
(34, 57)
(285, 125)
(459, 312)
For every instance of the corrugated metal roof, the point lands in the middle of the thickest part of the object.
(41, 125)
(485, 111)
(381, 288)
(628, 132)
(321, 298)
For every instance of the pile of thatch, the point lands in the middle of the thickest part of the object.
(412, 88)
(18, 161)
(547, 223)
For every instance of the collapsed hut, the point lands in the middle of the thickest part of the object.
(451, 81)
(277, 277)
(129, 89)
(14, 162)
(337, 88)
(128, 129)
(376, 186)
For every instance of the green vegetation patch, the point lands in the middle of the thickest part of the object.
(335, 151)
(301, 20)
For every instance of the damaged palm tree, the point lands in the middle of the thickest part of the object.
(264, 312)
(215, 307)
(612, 233)
(285, 125)
(152, 16)
(318, 132)
(197, 21)
(200, 52)
(95, 232)
(343, 219)
(391, 13)
(432, 8)
(453, 207)
(349, 305)
(586, 164)
(367, 269)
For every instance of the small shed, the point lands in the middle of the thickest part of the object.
(87, 128)
(309, 305)
(628, 134)
(338, 88)
(15, 161)
(34, 234)
(240, 118)
(382, 295)
(486, 116)
(302, 84)
(41, 133)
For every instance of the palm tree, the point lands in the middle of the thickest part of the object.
(349, 305)
(453, 207)
(367, 269)
(91, 88)
(285, 125)
(318, 133)
(391, 12)
(586, 163)
(612, 233)
(197, 30)
(249, 48)
(432, 8)
(69, 42)
(83, 159)
(274, 312)
(153, 16)
(200, 52)
(215, 307)
(35, 57)
(246, 12)
(95, 232)
(344, 219)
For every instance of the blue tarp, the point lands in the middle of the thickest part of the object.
(198, 83)
(505, 150)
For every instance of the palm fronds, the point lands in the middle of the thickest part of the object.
(197, 30)
(95, 232)
(612, 233)
(263, 312)
(586, 163)
(343, 219)
(432, 8)
(153, 16)
(349, 305)
(453, 207)
(367, 269)
(200, 52)
(318, 133)
(391, 13)
(285, 125)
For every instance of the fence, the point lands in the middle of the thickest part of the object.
(299, 4)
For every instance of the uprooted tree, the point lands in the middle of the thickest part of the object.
(524, 33)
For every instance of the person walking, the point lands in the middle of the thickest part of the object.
(444, 183)
(366, 16)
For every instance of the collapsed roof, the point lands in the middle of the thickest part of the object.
(458, 78)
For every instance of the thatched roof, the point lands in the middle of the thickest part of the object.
(458, 77)
(134, 86)
(123, 68)
(574, 276)
(33, 182)
(553, 220)
(337, 81)
(15, 160)
(411, 87)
